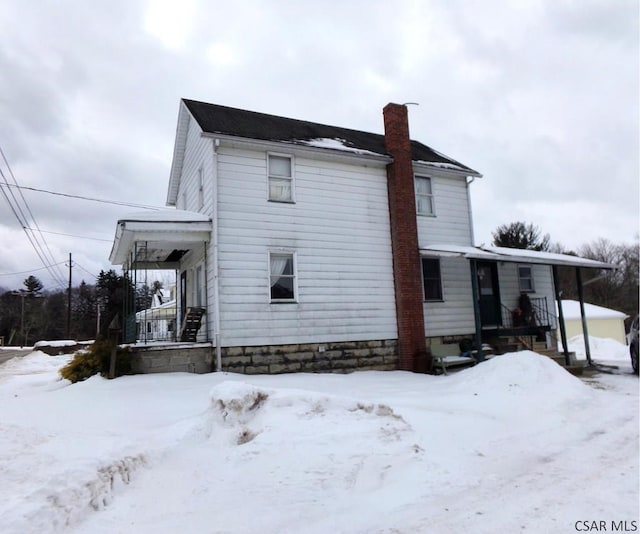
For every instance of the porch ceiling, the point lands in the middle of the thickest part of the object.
(512, 255)
(158, 239)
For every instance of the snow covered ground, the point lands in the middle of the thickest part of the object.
(514, 444)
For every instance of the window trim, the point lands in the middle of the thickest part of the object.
(431, 195)
(424, 279)
(294, 276)
(292, 180)
(532, 289)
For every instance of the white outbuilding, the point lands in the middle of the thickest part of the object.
(601, 322)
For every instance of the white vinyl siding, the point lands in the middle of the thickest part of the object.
(454, 315)
(342, 244)
(452, 225)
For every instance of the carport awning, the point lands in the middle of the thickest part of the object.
(158, 239)
(511, 255)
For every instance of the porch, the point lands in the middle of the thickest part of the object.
(510, 294)
(174, 240)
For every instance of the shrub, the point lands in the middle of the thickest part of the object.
(96, 360)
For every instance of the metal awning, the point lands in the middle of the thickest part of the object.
(511, 255)
(158, 239)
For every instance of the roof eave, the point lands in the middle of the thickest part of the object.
(182, 131)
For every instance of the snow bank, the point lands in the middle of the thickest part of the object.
(56, 343)
(315, 453)
(602, 349)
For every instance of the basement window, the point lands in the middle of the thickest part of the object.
(280, 178)
(432, 279)
(424, 196)
(282, 277)
(525, 279)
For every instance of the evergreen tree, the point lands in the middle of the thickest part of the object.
(33, 284)
(521, 235)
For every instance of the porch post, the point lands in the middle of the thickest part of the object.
(476, 308)
(563, 329)
(585, 331)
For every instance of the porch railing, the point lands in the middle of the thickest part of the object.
(535, 319)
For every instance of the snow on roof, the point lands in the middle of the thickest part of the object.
(165, 215)
(335, 144)
(512, 254)
(571, 310)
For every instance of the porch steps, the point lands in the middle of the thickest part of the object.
(191, 324)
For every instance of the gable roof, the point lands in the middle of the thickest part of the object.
(222, 120)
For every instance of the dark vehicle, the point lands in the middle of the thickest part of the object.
(633, 344)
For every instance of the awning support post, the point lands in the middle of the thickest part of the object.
(563, 329)
(585, 331)
(476, 309)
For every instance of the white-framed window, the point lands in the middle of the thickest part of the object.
(525, 279)
(282, 277)
(424, 196)
(280, 171)
(432, 279)
(200, 188)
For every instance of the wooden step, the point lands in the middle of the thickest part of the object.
(191, 324)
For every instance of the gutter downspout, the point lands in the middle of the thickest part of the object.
(467, 184)
(216, 258)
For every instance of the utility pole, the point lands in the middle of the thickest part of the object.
(22, 295)
(69, 301)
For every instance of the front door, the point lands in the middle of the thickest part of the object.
(489, 294)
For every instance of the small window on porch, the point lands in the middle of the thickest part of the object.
(432, 279)
(525, 279)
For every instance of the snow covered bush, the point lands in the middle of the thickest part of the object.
(96, 360)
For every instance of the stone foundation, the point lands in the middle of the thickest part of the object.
(312, 358)
(198, 358)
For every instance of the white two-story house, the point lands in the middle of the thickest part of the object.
(309, 247)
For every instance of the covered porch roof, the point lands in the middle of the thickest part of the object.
(158, 239)
(511, 255)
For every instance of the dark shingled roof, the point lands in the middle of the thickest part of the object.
(224, 120)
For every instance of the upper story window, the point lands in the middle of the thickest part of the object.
(432, 279)
(280, 178)
(282, 277)
(525, 278)
(424, 196)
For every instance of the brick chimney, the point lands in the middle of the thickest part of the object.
(407, 272)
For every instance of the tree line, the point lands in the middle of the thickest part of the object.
(34, 313)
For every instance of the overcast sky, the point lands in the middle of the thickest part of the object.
(541, 97)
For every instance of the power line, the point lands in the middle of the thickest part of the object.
(38, 243)
(92, 199)
(29, 271)
(74, 235)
